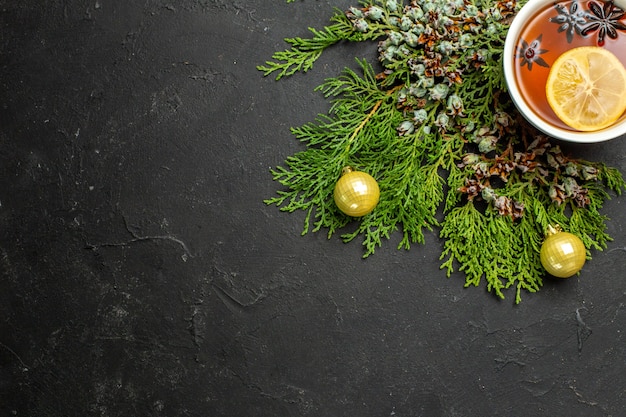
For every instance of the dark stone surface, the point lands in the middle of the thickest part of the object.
(142, 275)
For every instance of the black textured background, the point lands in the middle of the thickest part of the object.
(142, 275)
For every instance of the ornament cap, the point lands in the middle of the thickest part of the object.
(346, 170)
(553, 229)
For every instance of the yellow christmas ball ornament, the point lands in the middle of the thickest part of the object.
(562, 254)
(356, 193)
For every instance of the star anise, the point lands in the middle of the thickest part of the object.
(570, 20)
(529, 54)
(604, 19)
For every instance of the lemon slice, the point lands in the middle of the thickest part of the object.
(586, 88)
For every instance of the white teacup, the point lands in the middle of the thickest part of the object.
(563, 32)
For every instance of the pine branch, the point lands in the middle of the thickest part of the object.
(305, 51)
(439, 133)
(491, 247)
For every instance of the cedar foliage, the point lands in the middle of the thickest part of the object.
(434, 125)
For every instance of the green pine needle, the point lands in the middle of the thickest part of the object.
(305, 51)
(449, 151)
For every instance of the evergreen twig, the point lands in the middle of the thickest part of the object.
(437, 130)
